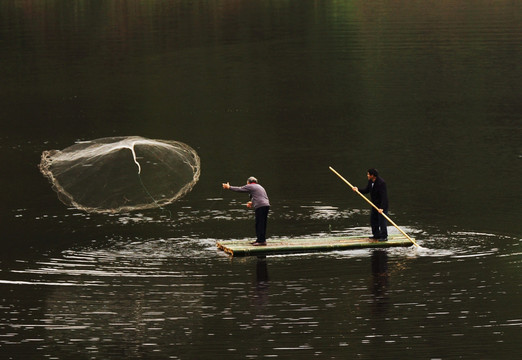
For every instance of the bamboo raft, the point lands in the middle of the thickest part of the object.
(293, 246)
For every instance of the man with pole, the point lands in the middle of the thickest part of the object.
(377, 188)
(379, 210)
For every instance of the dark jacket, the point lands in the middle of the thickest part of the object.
(378, 193)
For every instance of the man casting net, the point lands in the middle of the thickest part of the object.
(118, 174)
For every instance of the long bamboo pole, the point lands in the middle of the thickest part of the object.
(372, 204)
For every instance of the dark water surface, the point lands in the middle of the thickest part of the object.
(426, 91)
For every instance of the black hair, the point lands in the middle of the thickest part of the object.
(373, 172)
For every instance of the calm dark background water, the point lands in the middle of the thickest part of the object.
(426, 91)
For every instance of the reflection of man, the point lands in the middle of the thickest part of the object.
(379, 272)
(380, 280)
(261, 270)
(261, 281)
(379, 196)
(259, 201)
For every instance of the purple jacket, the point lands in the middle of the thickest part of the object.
(257, 194)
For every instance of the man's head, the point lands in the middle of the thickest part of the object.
(251, 180)
(372, 174)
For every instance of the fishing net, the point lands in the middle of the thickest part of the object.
(118, 174)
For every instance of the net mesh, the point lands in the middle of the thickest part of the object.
(120, 174)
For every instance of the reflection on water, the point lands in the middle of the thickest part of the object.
(165, 297)
(262, 280)
(379, 261)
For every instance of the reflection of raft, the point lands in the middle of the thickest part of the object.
(282, 246)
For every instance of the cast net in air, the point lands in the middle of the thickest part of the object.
(120, 174)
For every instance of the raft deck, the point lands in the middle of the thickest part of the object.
(293, 246)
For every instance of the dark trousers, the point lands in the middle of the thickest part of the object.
(261, 219)
(378, 223)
